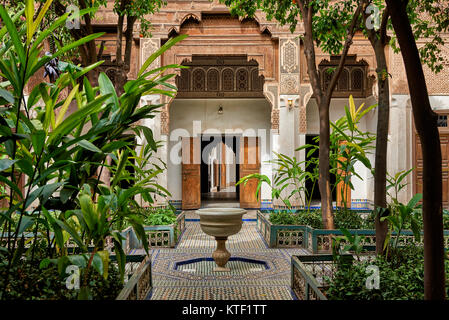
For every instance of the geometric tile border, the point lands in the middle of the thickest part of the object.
(257, 272)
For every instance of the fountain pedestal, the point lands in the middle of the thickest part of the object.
(221, 223)
(221, 255)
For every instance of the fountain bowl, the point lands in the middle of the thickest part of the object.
(221, 223)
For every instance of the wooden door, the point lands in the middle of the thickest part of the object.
(418, 160)
(223, 167)
(343, 189)
(249, 162)
(216, 184)
(191, 173)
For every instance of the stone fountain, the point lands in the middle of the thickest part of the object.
(221, 223)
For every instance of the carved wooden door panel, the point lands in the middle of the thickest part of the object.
(191, 173)
(223, 167)
(249, 162)
(216, 184)
(444, 141)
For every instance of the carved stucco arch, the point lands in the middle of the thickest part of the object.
(263, 25)
(210, 70)
(271, 84)
(189, 16)
(270, 92)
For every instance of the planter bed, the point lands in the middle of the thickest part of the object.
(139, 283)
(281, 236)
(320, 240)
(308, 275)
(165, 236)
(71, 245)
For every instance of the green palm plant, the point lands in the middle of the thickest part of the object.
(58, 153)
(350, 145)
(347, 243)
(402, 215)
(23, 135)
(288, 172)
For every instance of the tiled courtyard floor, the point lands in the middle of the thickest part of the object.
(257, 272)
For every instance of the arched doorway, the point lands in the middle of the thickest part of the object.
(224, 117)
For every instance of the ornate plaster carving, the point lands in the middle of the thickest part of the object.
(289, 83)
(270, 92)
(289, 66)
(147, 47)
(220, 77)
(289, 56)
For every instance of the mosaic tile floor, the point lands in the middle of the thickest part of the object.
(257, 272)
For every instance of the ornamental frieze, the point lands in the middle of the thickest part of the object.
(220, 77)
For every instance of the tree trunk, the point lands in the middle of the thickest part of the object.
(324, 180)
(426, 125)
(129, 39)
(123, 65)
(118, 51)
(88, 51)
(323, 100)
(323, 107)
(91, 48)
(383, 119)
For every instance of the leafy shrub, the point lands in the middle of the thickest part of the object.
(158, 216)
(28, 282)
(369, 222)
(282, 218)
(401, 278)
(446, 219)
(347, 219)
(312, 218)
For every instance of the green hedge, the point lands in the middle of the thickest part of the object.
(401, 278)
(348, 219)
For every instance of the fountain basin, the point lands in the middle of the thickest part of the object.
(221, 223)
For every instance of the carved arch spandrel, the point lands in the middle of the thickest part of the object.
(269, 90)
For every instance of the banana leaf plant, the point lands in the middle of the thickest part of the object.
(57, 150)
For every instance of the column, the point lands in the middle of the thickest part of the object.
(147, 47)
(289, 102)
(400, 138)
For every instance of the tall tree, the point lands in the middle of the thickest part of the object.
(377, 24)
(87, 51)
(426, 126)
(329, 25)
(131, 10)
(377, 34)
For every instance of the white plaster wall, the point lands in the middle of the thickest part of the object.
(400, 139)
(289, 138)
(439, 102)
(400, 148)
(161, 155)
(230, 166)
(371, 126)
(200, 116)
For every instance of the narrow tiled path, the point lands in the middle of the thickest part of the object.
(257, 272)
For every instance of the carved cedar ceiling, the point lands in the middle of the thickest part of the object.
(353, 80)
(227, 76)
